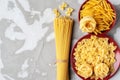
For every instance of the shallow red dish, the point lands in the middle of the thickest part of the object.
(117, 53)
(111, 26)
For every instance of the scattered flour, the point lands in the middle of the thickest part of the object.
(2, 76)
(50, 37)
(31, 34)
(12, 35)
(1, 63)
(44, 73)
(25, 4)
(24, 73)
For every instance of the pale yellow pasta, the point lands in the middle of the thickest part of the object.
(87, 24)
(101, 11)
(101, 70)
(96, 52)
(63, 6)
(69, 11)
(63, 29)
(85, 70)
(56, 12)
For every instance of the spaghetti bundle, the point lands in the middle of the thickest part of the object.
(63, 29)
(101, 11)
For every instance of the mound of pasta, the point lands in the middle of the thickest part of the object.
(94, 57)
(101, 11)
(87, 24)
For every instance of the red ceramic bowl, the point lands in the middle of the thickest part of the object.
(111, 26)
(117, 53)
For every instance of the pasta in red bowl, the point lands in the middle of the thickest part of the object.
(96, 16)
(95, 57)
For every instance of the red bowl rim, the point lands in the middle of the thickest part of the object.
(117, 52)
(111, 26)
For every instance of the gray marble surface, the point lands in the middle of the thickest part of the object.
(27, 46)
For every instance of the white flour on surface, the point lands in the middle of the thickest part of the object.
(44, 74)
(31, 34)
(12, 35)
(24, 73)
(1, 63)
(50, 37)
(24, 4)
(2, 76)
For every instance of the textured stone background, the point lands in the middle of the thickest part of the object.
(27, 46)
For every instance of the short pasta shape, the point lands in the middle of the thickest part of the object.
(97, 54)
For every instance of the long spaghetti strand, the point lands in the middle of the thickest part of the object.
(63, 29)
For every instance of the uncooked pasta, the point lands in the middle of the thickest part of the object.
(63, 29)
(101, 11)
(94, 57)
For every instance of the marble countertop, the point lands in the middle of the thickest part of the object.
(27, 46)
